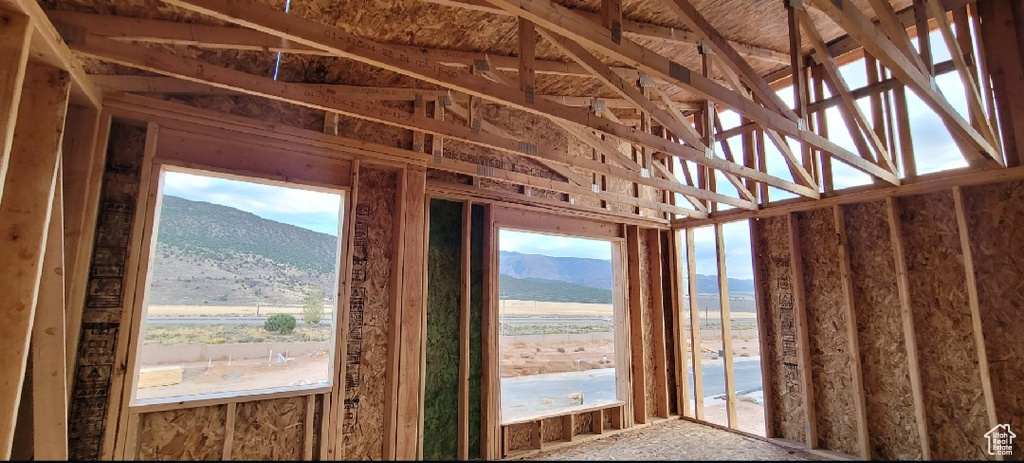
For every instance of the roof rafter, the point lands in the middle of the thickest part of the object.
(859, 26)
(557, 18)
(638, 29)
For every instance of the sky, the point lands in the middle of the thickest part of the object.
(553, 245)
(934, 151)
(312, 210)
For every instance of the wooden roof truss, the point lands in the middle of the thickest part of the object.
(643, 84)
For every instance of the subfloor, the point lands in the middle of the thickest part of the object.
(675, 439)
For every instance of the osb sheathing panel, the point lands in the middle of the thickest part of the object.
(257, 108)
(892, 427)
(183, 434)
(831, 359)
(367, 352)
(995, 218)
(551, 430)
(954, 405)
(583, 423)
(606, 419)
(107, 292)
(270, 429)
(520, 436)
(775, 278)
(647, 322)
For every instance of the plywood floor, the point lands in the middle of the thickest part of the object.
(675, 440)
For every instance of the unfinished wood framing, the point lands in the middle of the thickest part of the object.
(25, 217)
(887, 313)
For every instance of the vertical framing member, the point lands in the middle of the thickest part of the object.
(802, 337)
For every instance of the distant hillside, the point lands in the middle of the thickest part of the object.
(532, 289)
(208, 254)
(595, 273)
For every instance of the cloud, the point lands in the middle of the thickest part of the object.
(308, 209)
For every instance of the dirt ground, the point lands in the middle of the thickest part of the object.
(675, 440)
(532, 359)
(749, 415)
(243, 375)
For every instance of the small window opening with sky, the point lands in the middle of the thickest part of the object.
(558, 341)
(241, 289)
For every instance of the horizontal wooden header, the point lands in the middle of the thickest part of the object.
(555, 224)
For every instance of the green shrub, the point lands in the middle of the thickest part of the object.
(281, 323)
(313, 306)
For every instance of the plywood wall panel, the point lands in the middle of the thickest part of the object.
(583, 423)
(884, 366)
(954, 405)
(367, 349)
(270, 429)
(775, 276)
(106, 292)
(184, 434)
(519, 437)
(551, 430)
(831, 360)
(995, 218)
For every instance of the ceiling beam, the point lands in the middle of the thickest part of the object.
(48, 47)
(189, 69)
(638, 29)
(557, 18)
(848, 16)
(256, 15)
(683, 130)
(710, 36)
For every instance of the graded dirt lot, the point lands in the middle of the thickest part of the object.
(243, 375)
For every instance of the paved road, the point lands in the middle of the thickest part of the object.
(217, 320)
(528, 395)
(170, 320)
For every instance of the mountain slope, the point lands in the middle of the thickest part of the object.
(533, 289)
(208, 254)
(595, 273)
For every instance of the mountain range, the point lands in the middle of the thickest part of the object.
(209, 254)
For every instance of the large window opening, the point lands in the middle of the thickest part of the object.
(240, 294)
(558, 312)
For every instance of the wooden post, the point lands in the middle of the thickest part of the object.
(83, 156)
(636, 328)
(681, 336)
(853, 344)
(392, 376)
(597, 421)
(49, 384)
(654, 251)
(698, 376)
(802, 337)
(464, 321)
(336, 402)
(413, 317)
(763, 321)
(15, 36)
(723, 297)
(133, 306)
(907, 317)
(229, 431)
(972, 300)
(24, 218)
(906, 142)
(307, 428)
(490, 411)
(568, 427)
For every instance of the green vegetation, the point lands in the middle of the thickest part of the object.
(523, 329)
(214, 231)
(533, 289)
(171, 335)
(281, 323)
(313, 306)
